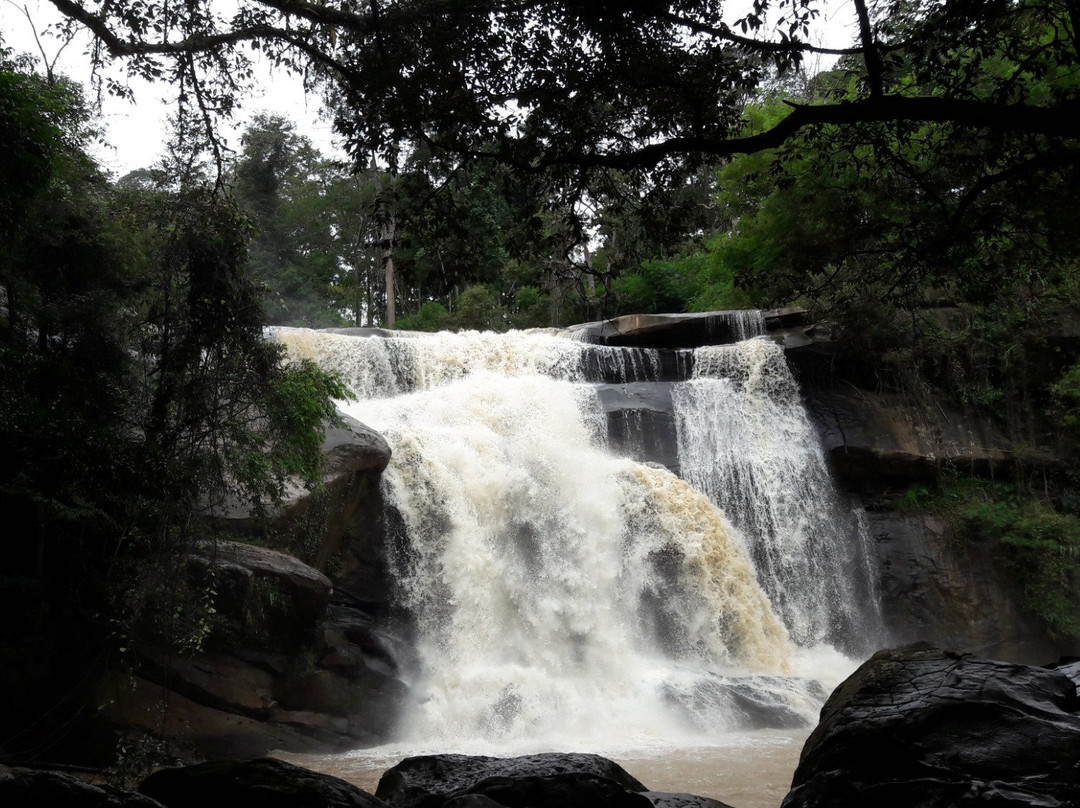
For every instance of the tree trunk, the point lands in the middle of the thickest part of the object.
(388, 264)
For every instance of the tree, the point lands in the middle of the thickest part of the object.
(520, 80)
(137, 388)
(583, 97)
(281, 181)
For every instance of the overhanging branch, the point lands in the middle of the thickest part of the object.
(1062, 121)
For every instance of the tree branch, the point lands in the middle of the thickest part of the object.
(1061, 121)
(118, 46)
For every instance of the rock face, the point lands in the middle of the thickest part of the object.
(641, 422)
(744, 701)
(538, 781)
(307, 589)
(691, 330)
(938, 588)
(293, 663)
(266, 783)
(918, 726)
(933, 584)
(883, 437)
(354, 456)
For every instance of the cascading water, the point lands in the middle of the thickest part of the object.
(565, 597)
(745, 441)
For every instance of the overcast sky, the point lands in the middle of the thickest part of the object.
(136, 131)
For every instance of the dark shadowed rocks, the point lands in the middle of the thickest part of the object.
(28, 788)
(429, 780)
(886, 437)
(261, 783)
(550, 780)
(936, 586)
(918, 726)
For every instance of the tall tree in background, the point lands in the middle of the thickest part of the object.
(294, 253)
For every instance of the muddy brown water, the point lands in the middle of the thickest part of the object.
(751, 770)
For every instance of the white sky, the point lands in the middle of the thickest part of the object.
(136, 131)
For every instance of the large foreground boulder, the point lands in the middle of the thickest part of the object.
(265, 783)
(552, 780)
(918, 726)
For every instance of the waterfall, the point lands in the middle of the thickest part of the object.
(558, 591)
(746, 441)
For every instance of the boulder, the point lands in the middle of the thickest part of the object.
(197, 730)
(30, 788)
(265, 782)
(366, 707)
(429, 781)
(747, 702)
(307, 588)
(552, 780)
(562, 790)
(354, 456)
(662, 799)
(919, 726)
(216, 680)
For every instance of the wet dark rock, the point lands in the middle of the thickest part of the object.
(354, 456)
(533, 781)
(286, 672)
(661, 799)
(431, 780)
(265, 782)
(641, 422)
(918, 726)
(471, 801)
(30, 788)
(308, 589)
(938, 587)
(569, 789)
(195, 731)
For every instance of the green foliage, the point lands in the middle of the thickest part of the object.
(698, 281)
(1066, 398)
(304, 220)
(1043, 547)
(478, 308)
(432, 316)
(529, 308)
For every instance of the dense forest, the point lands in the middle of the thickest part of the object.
(556, 163)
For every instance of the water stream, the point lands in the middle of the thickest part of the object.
(565, 597)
